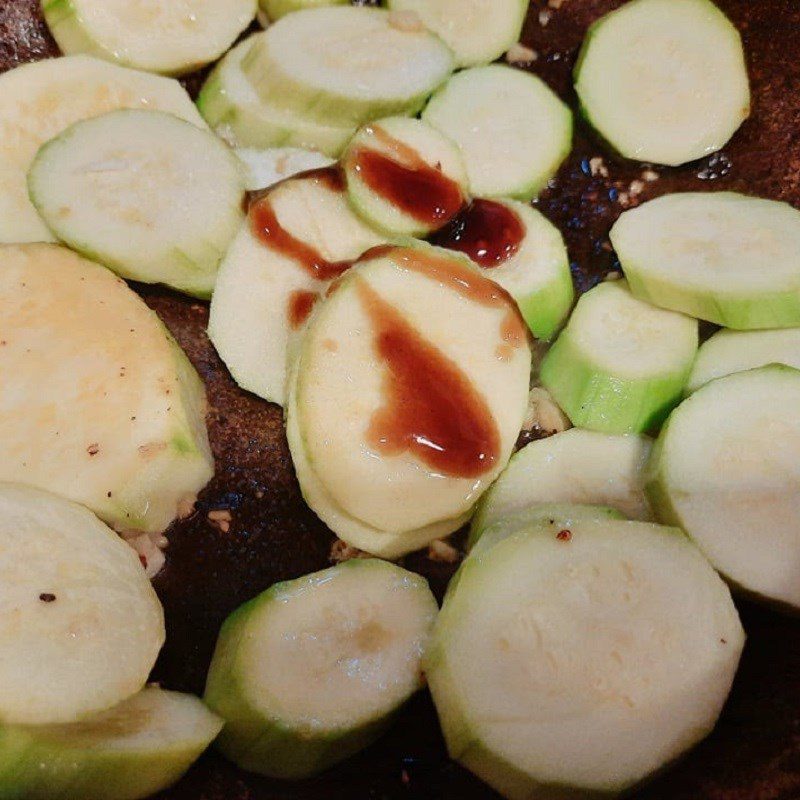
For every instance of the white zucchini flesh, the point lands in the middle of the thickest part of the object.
(664, 80)
(234, 110)
(264, 168)
(726, 468)
(418, 148)
(38, 101)
(344, 648)
(720, 256)
(250, 317)
(477, 31)
(728, 351)
(346, 65)
(341, 390)
(578, 467)
(135, 749)
(81, 625)
(149, 195)
(170, 38)
(570, 662)
(513, 131)
(109, 414)
(621, 364)
(275, 9)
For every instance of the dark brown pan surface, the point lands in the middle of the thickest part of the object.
(754, 754)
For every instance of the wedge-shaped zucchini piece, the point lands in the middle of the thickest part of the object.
(568, 662)
(82, 625)
(97, 401)
(477, 31)
(726, 468)
(38, 101)
(264, 291)
(405, 177)
(727, 352)
(664, 80)
(264, 168)
(577, 467)
(411, 386)
(313, 670)
(131, 751)
(525, 254)
(125, 189)
(346, 65)
(170, 38)
(621, 364)
(232, 107)
(720, 256)
(513, 131)
(275, 9)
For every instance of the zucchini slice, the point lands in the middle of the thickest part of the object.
(513, 131)
(234, 110)
(170, 38)
(131, 751)
(621, 364)
(82, 625)
(664, 80)
(109, 414)
(265, 168)
(346, 65)
(38, 101)
(576, 467)
(569, 662)
(125, 189)
(275, 9)
(404, 177)
(477, 31)
(719, 256)
(263, 295)
(313, 670)
(726, 468)
(727, 352)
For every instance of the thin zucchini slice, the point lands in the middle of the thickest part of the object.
(404, 177)
(513, 131)
(523, 252)
(577, 467)
(82, 625)
(664, 80)
(234, 110)
(131, 751)
(125, 189)
(97, 401)
(720, 256)
(264, 168)
(275, 9)
(313, 670)
(727, 352)
(171, 38)
(477, 31)
(569, 662)
(38, 101)
(263, 295)
(726, 468)
(346, 65)
(621, 364)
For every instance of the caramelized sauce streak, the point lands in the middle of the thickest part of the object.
(430, 408)
(488, 232)
(407, 181)
(301, 304)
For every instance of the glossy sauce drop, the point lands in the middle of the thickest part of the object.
(487, 231)
(404, 179)
(430, 407)
(301, 304)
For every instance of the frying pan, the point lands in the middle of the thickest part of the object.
(754, 753)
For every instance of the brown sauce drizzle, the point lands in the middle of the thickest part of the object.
(490, 233)
(404, 179)
(430, 407)
(301, 304)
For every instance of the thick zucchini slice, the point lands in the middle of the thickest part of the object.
(97, 401)
(313, 670)
(265, 168)
(569, 662)
(621, 364)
